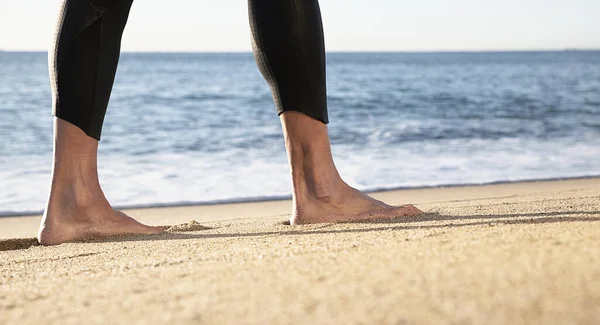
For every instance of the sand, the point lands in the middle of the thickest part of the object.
(520, 253)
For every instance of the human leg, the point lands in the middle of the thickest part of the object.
(289, 49)
(83, 64)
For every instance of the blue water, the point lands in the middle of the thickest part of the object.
(185, 128)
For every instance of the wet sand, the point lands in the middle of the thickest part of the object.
(520, 253)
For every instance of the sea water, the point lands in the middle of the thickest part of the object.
(197, 128)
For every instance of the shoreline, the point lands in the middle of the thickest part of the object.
(25, 226)
(12, 214)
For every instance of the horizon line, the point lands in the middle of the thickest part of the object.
(345, 51)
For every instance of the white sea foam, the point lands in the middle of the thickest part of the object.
(192, 178)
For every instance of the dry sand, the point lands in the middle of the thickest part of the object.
(522, 253)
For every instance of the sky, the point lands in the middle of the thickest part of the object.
(350, 25)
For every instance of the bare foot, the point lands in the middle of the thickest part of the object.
(319, 193)
(348, 204)
(70, 222)
(77, 207)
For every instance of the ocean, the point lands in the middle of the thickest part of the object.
(202, 127)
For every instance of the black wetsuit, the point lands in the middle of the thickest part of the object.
(287, 43)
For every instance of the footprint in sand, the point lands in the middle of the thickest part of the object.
(190, 226)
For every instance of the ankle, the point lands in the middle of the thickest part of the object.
(75, 191)
(316, 184)
(314, 175)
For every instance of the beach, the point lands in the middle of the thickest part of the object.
(513, 253)
(485, 118)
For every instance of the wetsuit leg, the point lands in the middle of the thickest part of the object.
(289, 49)
(84, 60)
